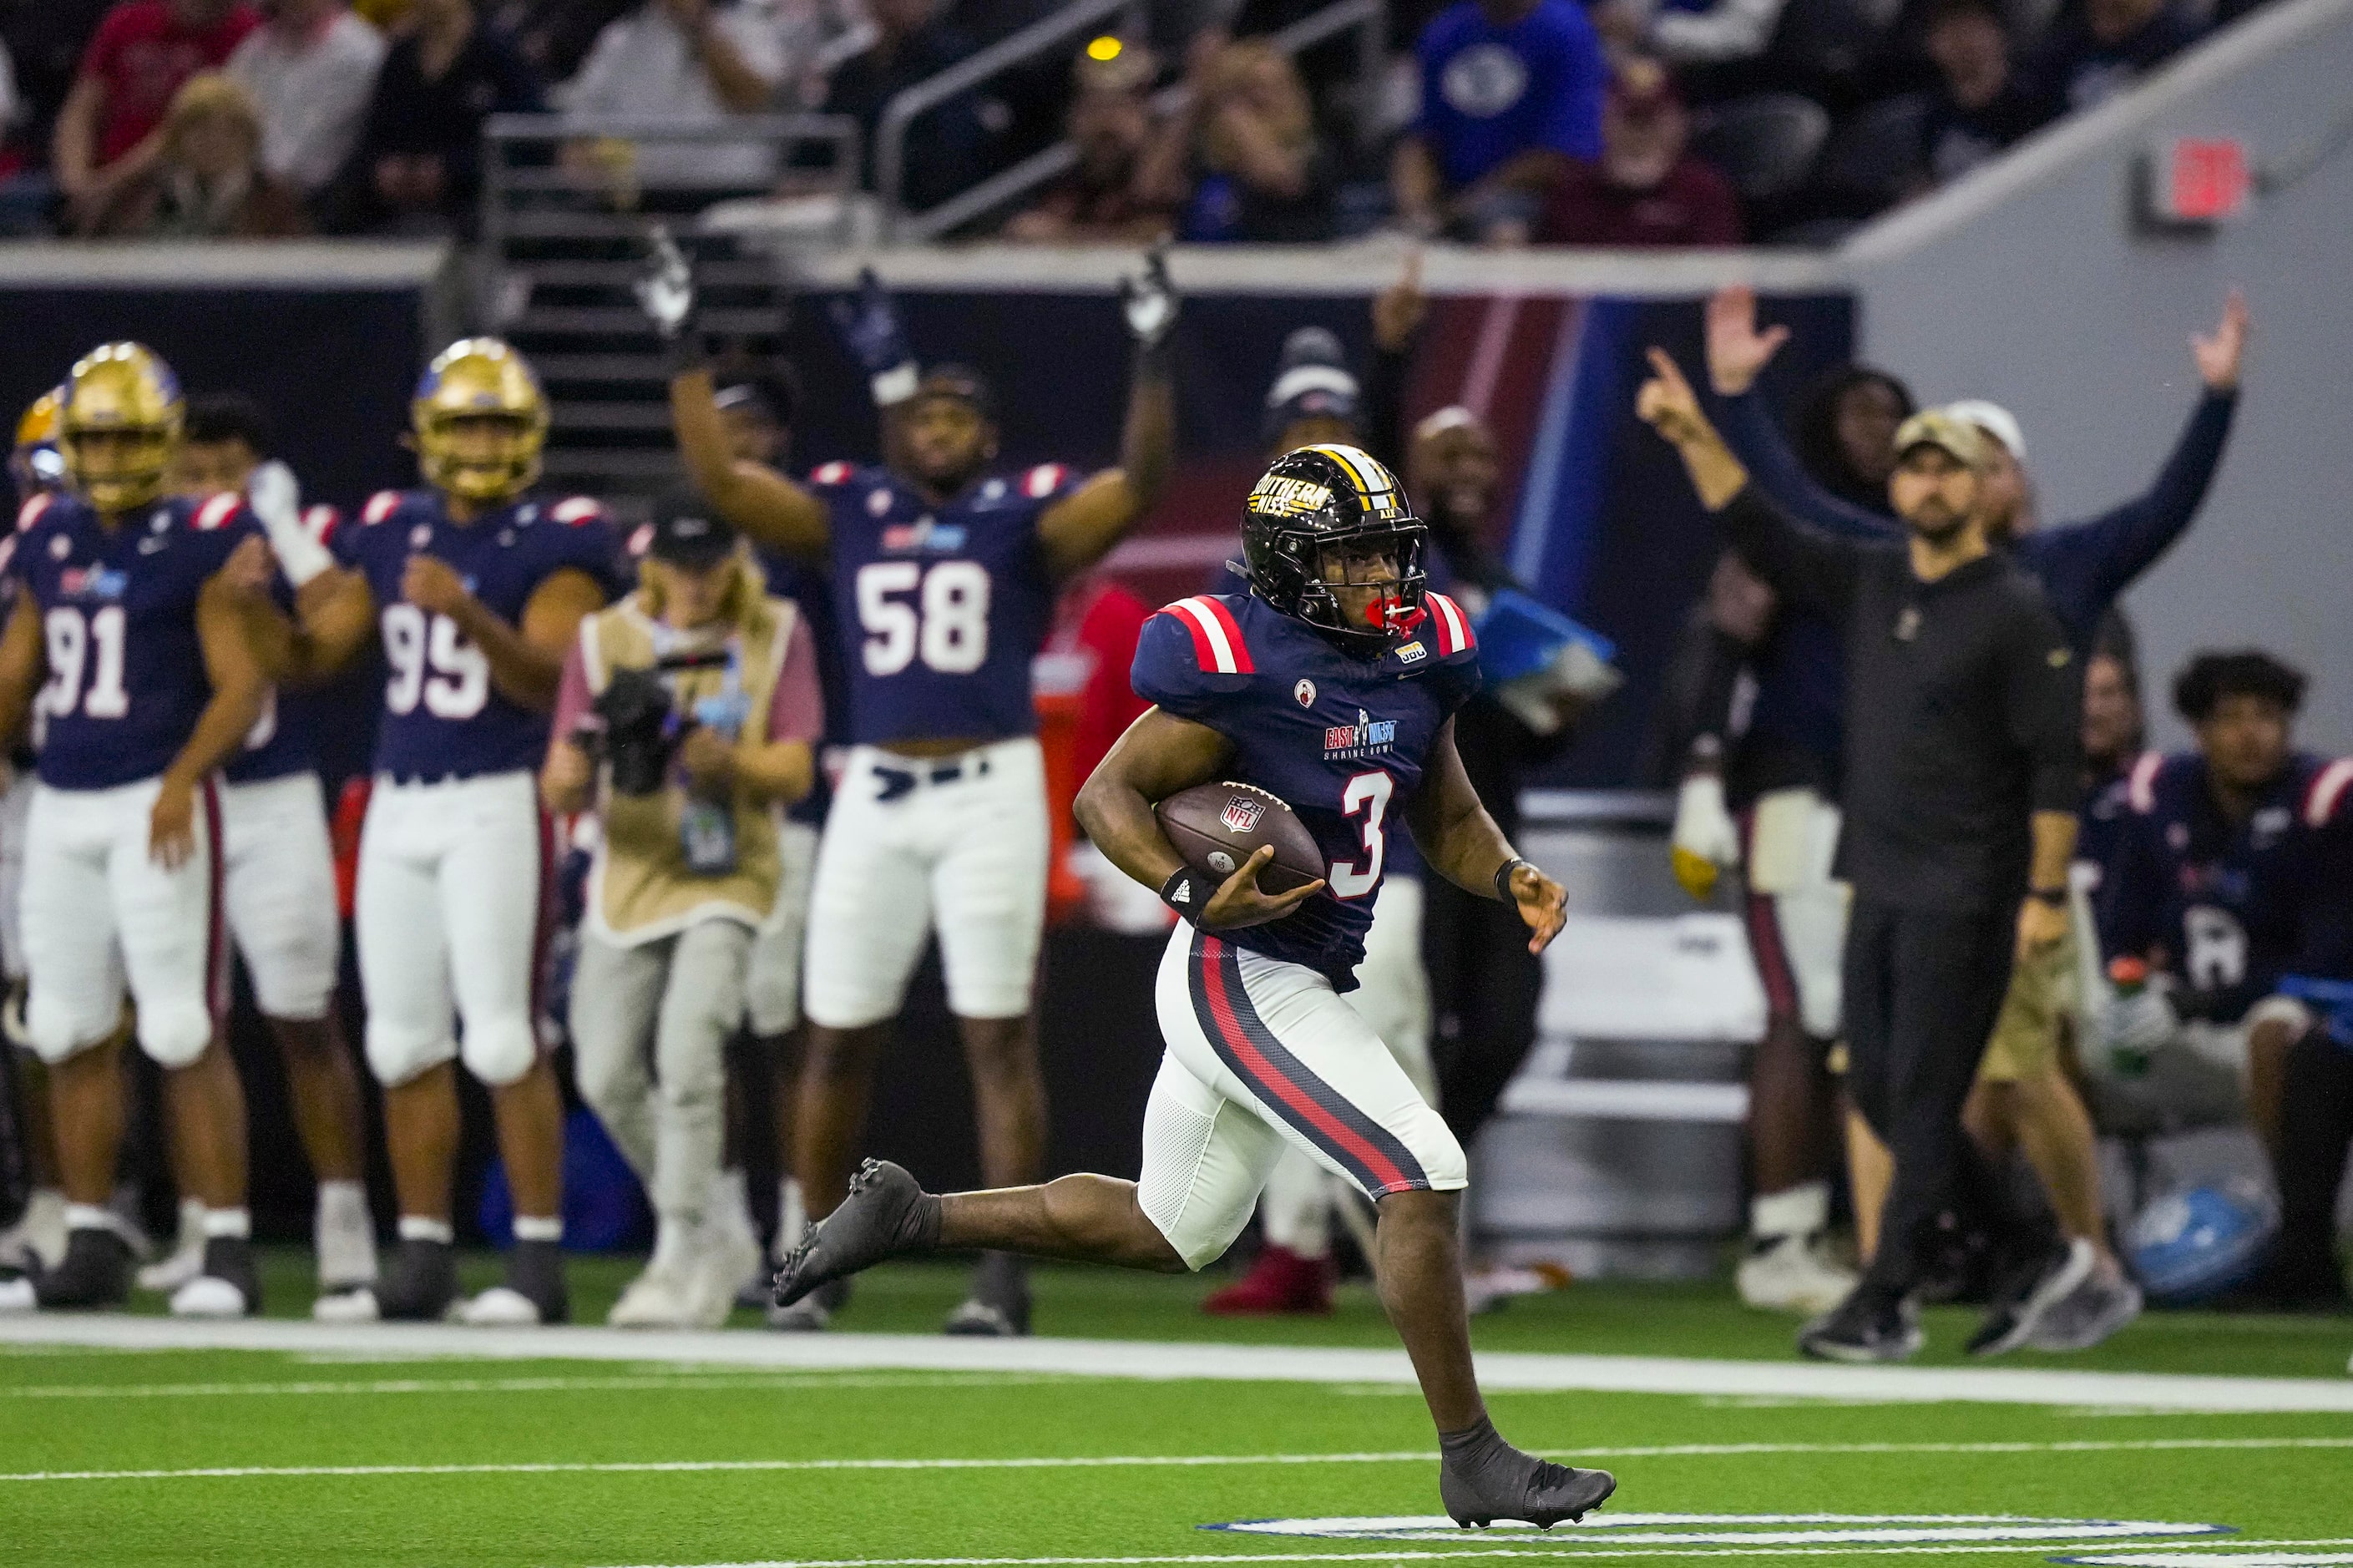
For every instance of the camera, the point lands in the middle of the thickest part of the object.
(641, 727)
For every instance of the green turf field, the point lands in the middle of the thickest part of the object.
(404, 1455)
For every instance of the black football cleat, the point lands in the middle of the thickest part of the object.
(1485, 1479)
(227, 1287)
(2027, 1293)
(887, 1214)
(421, 1285)
(94, 1273)
(1861, 1329)
(999, 1306)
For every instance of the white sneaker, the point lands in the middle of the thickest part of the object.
(38, 1237)
(660, 1298)
(499, 1307)
(1793, 1274)
(355, 1305)
(187, 1258)
(17, 1296)
(207, 1296)
(343, 1235)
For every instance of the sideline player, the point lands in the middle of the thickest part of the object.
(479, 589)
(278, 881)
(127, 623)
(948, 575)
(38, 1238)
(1333, 684)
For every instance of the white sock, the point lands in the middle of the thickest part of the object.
(344, 1235)
(676, 1237)
(538, 1228)
(792, 1217)
(232, 1224)
(419, 1228)
(191, 1237)
(1801, 1210)
(91, 1216)
(729, 1206)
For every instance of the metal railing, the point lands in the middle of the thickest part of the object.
(1364, 17)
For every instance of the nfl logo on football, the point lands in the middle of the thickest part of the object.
(1241, 813)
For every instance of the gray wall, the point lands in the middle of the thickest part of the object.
(2028, 284)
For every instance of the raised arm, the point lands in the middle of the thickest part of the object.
(1081, 529)
(757, 499)
(24, 664)
(1736, 354)
(2108, 552)
(1796, 561)
(1462, 843)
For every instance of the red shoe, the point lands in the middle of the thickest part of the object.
(1280, 1282)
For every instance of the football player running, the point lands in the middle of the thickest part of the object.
(479, 588)
(126, 622)
(278, 874)
(942, 578)
(1333, 684)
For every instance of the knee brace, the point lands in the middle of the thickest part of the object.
(499, 1051)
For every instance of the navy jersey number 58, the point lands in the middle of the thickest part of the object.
(939, 615)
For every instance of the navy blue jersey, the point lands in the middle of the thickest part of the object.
(942, 606)
(1344, 739)
(126, 670)
(2100, 824)
(2222, 903)
(443, 717)
(2324, 937)
(806, 586)
(286, 740)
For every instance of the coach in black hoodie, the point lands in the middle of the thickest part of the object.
(1963, 710)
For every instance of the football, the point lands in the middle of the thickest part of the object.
(1217, 826)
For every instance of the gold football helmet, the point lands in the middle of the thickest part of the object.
(479, 419)
(119, 424)
(36, 465)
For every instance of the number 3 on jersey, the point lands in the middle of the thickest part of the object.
(1366, 796)
(950, 630)
(69, 638)
(431, 660)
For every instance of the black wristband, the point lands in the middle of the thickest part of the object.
(1503, 878)
(2054, 897)
(1187, 892)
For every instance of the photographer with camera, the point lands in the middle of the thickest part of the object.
(685, 721)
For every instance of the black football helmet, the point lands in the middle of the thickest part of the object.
(1324, 506)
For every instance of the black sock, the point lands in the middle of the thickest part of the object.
(2316, 1119)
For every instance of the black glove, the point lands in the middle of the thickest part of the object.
(666, 293)
(1150, 301)
(868, 323)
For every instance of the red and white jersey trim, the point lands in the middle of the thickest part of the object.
(1043, 480)
(576, 510)
(381, 505)
(2327, 792)
(218, 511)
(30, 513)
(833, 473)
(1217, 636)
(2140, 787)
(1453, 626)
(320, 521)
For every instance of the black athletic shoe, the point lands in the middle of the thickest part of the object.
(227, 1285)
(420, 1286)
(95, 1272)
(2030, 1292)
(1538, 1491)
(885, 1215)
(1863, 1327)
(999, 1306)
(536, 1272)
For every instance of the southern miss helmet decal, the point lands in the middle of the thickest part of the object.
(1329, 518)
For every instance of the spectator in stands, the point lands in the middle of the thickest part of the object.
(1243, 159)
(1646, 188)
(310, 66)
(418, 164)
(1846, 432)
(1110, 122)
(694, 61)
(947, 146)
(206, 180)
(1511, 91)
(2100, 47)
(144, 51)
(45, 41)
(1978, 106)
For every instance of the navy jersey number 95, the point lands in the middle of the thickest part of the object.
(1344, 739)
(443, 717)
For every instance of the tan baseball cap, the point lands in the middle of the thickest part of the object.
(1956, 438)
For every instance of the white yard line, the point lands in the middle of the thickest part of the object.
(1538, 1548)
(715, 1382)
(1515, 1371)
(1150, 1461)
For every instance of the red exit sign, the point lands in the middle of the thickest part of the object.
(2199, 180)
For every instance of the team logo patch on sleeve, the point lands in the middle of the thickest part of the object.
(1304, 694)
